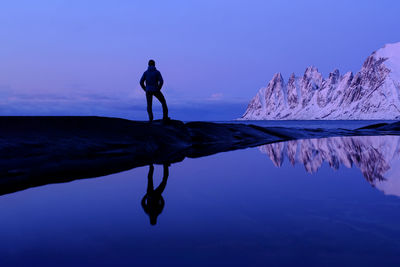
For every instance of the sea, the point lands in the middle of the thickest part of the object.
(316, 202)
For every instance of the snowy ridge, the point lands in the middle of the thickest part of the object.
(377, 157)
(372, 93)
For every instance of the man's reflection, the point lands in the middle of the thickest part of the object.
(153, 203)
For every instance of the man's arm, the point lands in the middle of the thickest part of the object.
(142, 81)
(160, 81)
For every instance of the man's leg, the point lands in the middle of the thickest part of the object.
(149, 98)
(161, 98)
(150, 186)
(163, 183)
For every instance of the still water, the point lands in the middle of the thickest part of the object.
(317, 202)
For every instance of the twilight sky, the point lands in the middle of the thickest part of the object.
(85, 57)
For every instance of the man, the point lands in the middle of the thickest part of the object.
(154, 82)
(153, 202)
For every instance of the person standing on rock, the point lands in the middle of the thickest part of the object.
(151, 82)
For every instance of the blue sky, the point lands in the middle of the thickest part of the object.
(85, 57)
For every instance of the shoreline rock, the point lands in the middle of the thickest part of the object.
(36, 151)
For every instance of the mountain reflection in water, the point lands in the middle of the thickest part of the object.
(377, 157)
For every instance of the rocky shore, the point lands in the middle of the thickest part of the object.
(40, 150)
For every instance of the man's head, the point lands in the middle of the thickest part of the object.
(152, 63)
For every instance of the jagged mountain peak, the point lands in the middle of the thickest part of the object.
(371, 93)
(391, 52)
(348, 75)
(312, 72)
(334, 75)
(277, 78)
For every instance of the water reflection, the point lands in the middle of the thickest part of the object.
(153, 202)
(376, 156)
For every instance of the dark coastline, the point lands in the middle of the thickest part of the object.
(36, 151)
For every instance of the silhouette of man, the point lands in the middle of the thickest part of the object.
(154, 81)
(152, 202)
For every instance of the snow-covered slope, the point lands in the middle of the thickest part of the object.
(377, 157)
(372, 93)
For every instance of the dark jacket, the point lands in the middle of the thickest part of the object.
(153, 78)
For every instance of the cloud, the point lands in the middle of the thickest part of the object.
(131, 105)
(215, 97)
(5, 90)
(137, 93)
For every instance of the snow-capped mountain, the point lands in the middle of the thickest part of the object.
(372, 93)
(378, 157)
